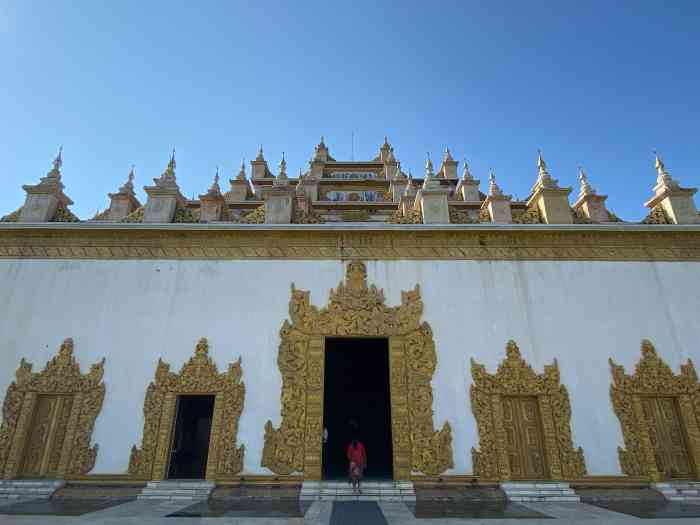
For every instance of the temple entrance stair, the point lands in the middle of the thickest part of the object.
(371, 491)
(684, 491)
(29, 489)
(539, 491)
(177, 490)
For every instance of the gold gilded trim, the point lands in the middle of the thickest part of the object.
(60, 376)
(356, 309)
(198, 376)
(653, 377)
(515, 377)
(472, 242)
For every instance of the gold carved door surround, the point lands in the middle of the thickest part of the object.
(357, 310)
(198, 376)
(515, 377)
(35, 397)
(653, 378)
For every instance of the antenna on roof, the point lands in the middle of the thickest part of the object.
(352, 145)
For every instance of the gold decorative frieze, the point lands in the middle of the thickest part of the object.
(304, 242)
(198, 376)
(654, 379)
(515, 377)
(33, 438)
(356, 309)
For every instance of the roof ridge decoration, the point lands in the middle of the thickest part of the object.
(356, 309)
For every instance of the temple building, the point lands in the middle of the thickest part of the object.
(246, 336)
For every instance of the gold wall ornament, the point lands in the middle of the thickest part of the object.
(82, 396)
(515, 377)
(257, 216)
(420, 242)
(198, 376)
(653, 377)
(356, 309)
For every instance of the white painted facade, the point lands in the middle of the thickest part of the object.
(133, 312)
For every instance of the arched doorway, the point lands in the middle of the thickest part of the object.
(357, 310)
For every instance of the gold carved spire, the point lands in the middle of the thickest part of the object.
(541, 165)
(260, 154)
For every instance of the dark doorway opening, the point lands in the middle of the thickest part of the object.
(190, 445)
(356, 402)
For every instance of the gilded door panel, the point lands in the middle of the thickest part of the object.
(38, 436)
(667, 437)
(532, 438)
(521, 420)
(46, 436)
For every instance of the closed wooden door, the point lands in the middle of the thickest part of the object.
(521, 420)
(46, 436)
(667, 437)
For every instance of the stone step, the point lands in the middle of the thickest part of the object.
(177, 490)
(29, 489)
(682, 491)
(539, 491)
(371, 491)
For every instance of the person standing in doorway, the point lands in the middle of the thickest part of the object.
(357, 459)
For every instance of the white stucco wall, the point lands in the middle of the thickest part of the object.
(134, 312)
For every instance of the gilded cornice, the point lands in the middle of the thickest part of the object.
(448, 242)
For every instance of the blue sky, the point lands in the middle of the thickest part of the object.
(121, 83)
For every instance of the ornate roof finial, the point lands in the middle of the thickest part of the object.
(171, 164)
(58, 161)
(322, 143)
(241, 174)
(659, 164)
(260, 154)
(586, 188)
(466, 174)
(448, 156)
(128, 186)
(386, 142)
(429, 167)
(215, 185)
(283, 169)
(662, 176)
(541, 165)
(494, 189)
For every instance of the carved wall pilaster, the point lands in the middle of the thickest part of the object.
(198, 376)
(515, 377)
(82, 396)
(356, 309)
(653, 377)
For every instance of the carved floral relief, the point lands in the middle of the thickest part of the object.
(198, 376)
(81, 399)
(653, 377)
(515, 377)
(356, 309)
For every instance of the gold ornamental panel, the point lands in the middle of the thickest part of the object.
(356, 309)
(304, 242)
(62, 405)
(198, 376)
(653, 378)
(515, 377)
